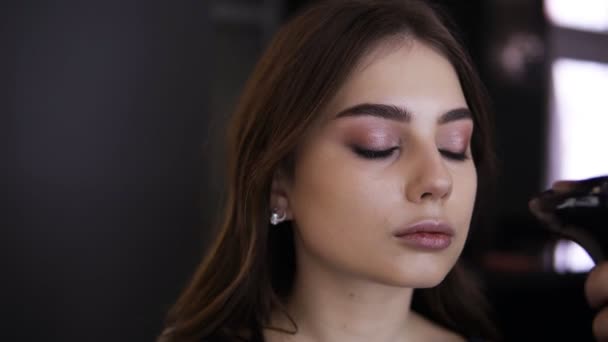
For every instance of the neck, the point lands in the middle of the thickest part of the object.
(332, 306)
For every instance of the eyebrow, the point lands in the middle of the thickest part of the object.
(401, 114)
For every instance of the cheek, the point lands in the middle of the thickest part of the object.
(337, 207)
(463, 197)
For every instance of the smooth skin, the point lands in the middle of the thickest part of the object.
(359, 177)
(596, 290)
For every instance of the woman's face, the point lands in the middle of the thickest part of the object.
(393, 151)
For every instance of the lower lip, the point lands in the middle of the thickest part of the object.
(434, 241)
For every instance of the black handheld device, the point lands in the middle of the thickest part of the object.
(578, 211)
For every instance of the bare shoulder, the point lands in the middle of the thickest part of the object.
(431, 331)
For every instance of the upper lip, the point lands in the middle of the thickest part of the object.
(426, 226)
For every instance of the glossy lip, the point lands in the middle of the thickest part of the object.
(428, 235)
(426, 226)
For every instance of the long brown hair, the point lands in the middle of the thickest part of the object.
(249, 269)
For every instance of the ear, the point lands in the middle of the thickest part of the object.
(279, 194)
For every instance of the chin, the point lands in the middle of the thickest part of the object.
(421, 283)
(424, 275)
(427, 281)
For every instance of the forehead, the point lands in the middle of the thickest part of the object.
(406, 73)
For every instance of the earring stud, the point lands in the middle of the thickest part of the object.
(275, 218)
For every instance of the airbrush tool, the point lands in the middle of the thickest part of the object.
(577, 210)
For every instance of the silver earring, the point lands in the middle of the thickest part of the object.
(275, 218)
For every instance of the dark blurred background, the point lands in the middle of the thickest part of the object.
(112, 119)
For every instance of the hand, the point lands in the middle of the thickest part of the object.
(542, 205)
(596, 291)
(596, 285)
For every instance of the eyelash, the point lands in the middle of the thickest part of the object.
(374, 154)
(454, 155)
(381, 154)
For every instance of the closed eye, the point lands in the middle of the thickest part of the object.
(457, 156)
(374, 154)
(381, 154)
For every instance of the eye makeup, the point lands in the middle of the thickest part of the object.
(376, 139)
(373, 141)
(453, 140)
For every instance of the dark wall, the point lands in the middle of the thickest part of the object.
(107, 110)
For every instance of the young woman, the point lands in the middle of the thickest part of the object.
(357, 156)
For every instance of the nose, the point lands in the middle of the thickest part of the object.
(429, 178)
